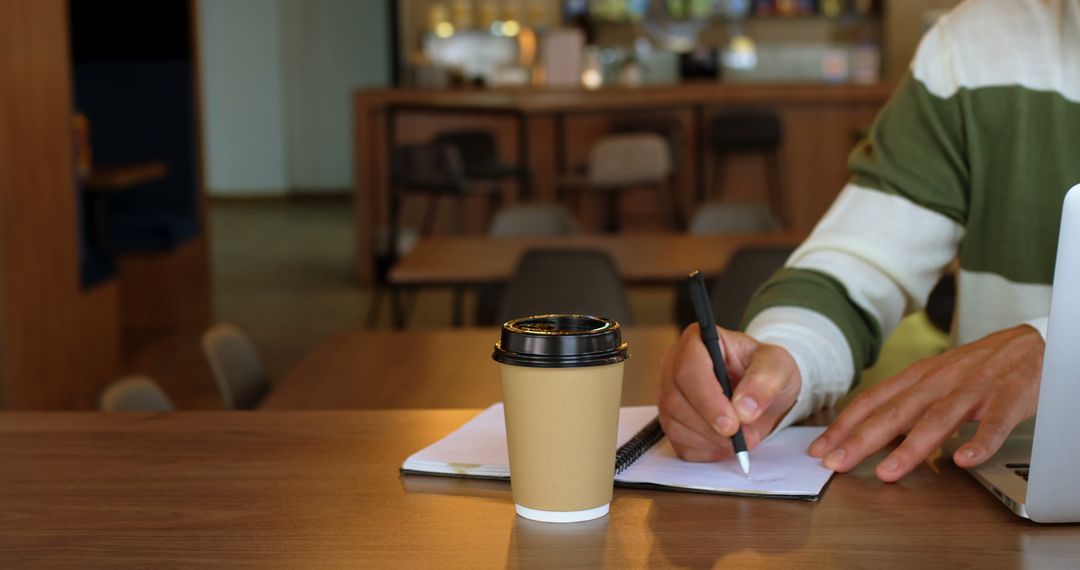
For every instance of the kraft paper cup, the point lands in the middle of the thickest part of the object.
(562, 385)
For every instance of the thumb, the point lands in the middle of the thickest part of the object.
(771, 374)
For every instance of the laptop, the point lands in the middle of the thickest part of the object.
(1035, 471)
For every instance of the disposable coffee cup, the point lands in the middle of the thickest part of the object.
(562, 384)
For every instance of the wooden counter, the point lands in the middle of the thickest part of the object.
(551, 131)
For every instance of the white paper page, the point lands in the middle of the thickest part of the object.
(479, 447)
(779, 466)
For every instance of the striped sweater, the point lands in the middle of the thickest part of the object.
(971, 158)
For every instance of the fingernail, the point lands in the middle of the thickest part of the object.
(835, 457)
(747, 407)
(725, 426)
(890, 464)
(969, 453)
(819, 445)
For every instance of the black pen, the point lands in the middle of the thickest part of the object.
(699, 296)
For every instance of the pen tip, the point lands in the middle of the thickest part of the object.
(744, 462)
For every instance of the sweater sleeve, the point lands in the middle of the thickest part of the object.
(884, 242)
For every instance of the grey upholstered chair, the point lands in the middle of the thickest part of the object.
(749, 269)
(730, 293)
(523, 220)
(533, 220)
(720, 218)
(236, 367)
(135, 393)
(566, 281)
(622, 162)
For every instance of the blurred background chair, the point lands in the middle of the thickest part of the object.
(721, 218)
(730, 293)
(524, 220)
(136, 393)
(668, 128)
(622, 162)
(385, 259)
(479, 154)
(752, 132)
(534, 220)
(236, 367)
(566, 281)
(941, 304)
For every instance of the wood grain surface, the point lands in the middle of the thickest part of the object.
(640, 258)
(442, 368)
(322, 489)
(59, 343)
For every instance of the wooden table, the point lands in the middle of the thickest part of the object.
(647, 258)
(434, 369)
(321, 489)
(641, 259)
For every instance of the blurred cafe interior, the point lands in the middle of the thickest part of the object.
(334, 204)
(300, 170)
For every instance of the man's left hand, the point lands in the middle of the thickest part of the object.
(994, 381)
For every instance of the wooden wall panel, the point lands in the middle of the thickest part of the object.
(162, 293)
(58, 344)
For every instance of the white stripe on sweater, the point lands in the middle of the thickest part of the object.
(1034, 44)
(887, 251)
(988, 302)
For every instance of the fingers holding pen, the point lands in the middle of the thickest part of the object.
(693, 375)
(769, 376)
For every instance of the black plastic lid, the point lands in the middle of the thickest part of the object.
(561, 341)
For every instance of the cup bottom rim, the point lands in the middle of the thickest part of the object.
(562, 516)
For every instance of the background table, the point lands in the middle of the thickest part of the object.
(321, 489)
(434, 369)
(646, 258)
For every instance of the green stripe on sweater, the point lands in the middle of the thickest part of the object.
(825, 295)
(997, 160)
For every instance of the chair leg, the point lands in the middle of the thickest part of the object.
(667, 205)
(775, 186)
(716, 185)
(614, 220)
(459, 215)
(428, 225)
(494, 203)
(457, 309)
(373, 307)
(397, 308)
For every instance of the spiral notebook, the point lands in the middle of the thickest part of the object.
(643, 458)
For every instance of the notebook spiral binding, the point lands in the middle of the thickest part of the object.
(639, 444)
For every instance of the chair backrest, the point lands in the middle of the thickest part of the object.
(747, 130)
(236, 367)
(477, 147)
(669, 128)
(534, 220)
(566, 281)
(136, 393)
(429, 167)
(719, 218)
(749, 268)
(622, 160)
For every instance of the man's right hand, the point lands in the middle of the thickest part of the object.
(697, 417)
